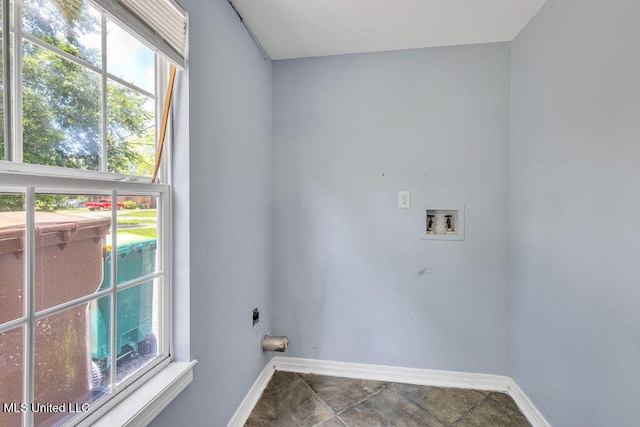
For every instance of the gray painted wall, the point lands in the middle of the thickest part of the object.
(230, 214)
(575, 203)
(349, 133)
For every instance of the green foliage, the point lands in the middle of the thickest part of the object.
(50, 202)
(130, 204)
(62, 119)
(62, 23)
(11, 202)
(128, 132)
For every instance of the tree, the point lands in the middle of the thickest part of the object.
(11, 202)
(62, 101)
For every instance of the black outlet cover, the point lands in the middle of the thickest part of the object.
(256, 316)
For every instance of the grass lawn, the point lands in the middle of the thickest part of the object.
(146, 232)
(135, 221)
(139, 213)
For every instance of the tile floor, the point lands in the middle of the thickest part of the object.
(300, 400)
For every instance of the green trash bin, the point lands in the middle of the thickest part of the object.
(135, 305)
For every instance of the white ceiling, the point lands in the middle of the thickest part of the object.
(302, 28)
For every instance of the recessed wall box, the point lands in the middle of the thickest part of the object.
(442, 222)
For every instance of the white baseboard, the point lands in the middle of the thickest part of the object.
(252, 397)
(428, 377)
(527, 407)
(393, 374)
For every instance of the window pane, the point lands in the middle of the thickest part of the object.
(100, 331)
(64, 370)
(12, 222)
(137, 237)
(138, 327)
(129, 59)
(61, 108)
(11, 375)
(138, 306)
(70, 25)
(131, 131)
(70, 247)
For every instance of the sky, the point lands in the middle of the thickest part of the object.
(127, 57)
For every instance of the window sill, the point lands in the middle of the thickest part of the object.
(145, 403)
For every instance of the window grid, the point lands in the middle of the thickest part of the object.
(30, 305)
(30, 317)
(6, 67)
(81, 62)
(33, 179)
(15, 95)
(13, 121)
(103, 100)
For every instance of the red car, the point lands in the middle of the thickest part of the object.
(102, 204)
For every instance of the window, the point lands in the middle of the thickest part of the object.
(87, 89)
(85, 289)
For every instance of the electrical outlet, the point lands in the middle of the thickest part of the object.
(404, 200)
(256, 316)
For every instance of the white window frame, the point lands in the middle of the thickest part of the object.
(34, 184)
(14, 144)
(140, 397)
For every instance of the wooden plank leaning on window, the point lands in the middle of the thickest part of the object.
(165, 118)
